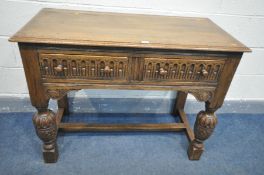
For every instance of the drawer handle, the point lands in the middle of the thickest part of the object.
(204, 72)
(163, 71)
(58, 68)
(107, 69)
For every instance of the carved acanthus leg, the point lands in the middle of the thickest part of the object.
(203, 128)
(46, 129)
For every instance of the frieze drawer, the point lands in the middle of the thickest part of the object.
(173, 69)
(61, 66)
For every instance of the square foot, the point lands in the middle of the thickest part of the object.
(50, 156)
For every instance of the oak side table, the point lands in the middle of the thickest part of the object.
(64, 50)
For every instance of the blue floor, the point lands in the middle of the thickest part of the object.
(236, 147)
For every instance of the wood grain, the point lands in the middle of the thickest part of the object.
(122, 127)
(126, 30)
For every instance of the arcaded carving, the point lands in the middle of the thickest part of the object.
(83, 66)
(182, 69)
(46, 128)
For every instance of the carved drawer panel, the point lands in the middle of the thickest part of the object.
(83, 67)
(158, 69)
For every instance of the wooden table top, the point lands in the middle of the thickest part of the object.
(57, 26)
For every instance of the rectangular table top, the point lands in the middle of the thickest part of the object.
(58, 26)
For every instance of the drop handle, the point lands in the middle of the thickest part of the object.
(59, 68)
(162, 71)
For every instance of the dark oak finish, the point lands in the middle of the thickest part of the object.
(121, 127)
(63, 104)
(64, 50)
(127, 30)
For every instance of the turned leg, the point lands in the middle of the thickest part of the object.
(203, 128)
(206, 120)
(44, 120)
(46, 128)
(63, 103)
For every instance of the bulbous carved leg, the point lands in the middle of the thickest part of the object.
(203, 128)
(46, 129)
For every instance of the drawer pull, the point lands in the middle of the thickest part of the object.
(82, 66)
(204, 72)
(107, 69)
(163, 71)
(58, 68)
(190, 70)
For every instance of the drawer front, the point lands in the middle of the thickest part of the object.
(159, 69)
(61, 66)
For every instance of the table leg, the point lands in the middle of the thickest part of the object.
(203, 128)
(206, 120)
(63, 103)
(46, 128)
(179, 102)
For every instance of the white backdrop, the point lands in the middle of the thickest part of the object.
(243, 19)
